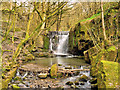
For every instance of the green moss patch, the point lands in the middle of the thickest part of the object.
(111, 72)
(53, 71)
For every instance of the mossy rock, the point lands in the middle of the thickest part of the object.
(46, 42)
(111, 72)
(111, 53)
(9, 78)
(84, 78)
(14, 86)
(53, 71)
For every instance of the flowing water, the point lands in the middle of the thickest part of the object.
(59, 42)
(59, 46)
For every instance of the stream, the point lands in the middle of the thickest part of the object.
(27, 77)
(37, 73)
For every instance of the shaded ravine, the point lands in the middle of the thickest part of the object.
(37, 73)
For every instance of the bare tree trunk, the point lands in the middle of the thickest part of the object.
(58, 18)
(103, 24)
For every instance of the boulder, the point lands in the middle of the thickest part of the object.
(53, 71)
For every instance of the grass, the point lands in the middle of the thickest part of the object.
(111, 72)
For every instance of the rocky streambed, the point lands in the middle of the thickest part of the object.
(33, 75)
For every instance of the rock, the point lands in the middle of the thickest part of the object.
(21, 85)
(42, 75)
(94, 86)
(77, 73)
(82, 83)
(14, 86)
(76, 83)
(68, 67)
(93, 81)
(53, 71)
(59, 75)
(69, 83)
(84, 78)
(74, 86)
(26, 83)
(59, 64)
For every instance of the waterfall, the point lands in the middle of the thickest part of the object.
(59, 42)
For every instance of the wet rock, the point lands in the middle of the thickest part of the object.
(77, 73)
(94, 86)
(59, 64)
(76, 83)
(74, 86)
(42, 75)
(69, 83)
(84, 78)
(68, 67)
(82, 83)
(21, 85)
(93, 81)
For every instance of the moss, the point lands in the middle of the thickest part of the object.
(53, 71)
(112, 48)
(111, 72)
(15, 87)
(29, 57)
(46, 42)
(11, 74)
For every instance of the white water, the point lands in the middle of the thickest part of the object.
(62, 44)
(50, 45)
